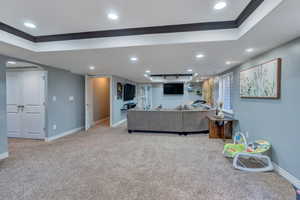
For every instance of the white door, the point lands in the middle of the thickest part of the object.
(13, 95)
(30, 115)
(88, 102)
(33, 115)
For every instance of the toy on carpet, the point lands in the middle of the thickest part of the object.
(249, 157)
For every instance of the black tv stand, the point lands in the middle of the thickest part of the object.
(128, 106)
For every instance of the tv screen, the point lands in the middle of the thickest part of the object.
(129, 92)
(174, 88)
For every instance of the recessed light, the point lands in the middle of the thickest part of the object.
(134, 59)
(148, 71)
(92, 67)
(11, 62)
(29, 25)
(189, 70)
(199, 56)
(228, 62)
(220, 5)
(113, 16)
(249, 50)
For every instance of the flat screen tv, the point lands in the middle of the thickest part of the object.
(174, 88)
(129, 92)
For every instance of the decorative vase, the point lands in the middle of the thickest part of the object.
(221, 114)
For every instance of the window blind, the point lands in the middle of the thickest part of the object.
(225, 87)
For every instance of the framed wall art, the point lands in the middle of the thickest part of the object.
(119, 90)
(261, 81)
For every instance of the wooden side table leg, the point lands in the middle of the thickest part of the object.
(224, 131)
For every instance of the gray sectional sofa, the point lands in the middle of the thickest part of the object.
(168, 121)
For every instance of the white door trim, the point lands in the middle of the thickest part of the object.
(86, 102)
(110, 94)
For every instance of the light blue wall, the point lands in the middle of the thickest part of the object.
(3, 135)
(171, 101)
(67, 115)
(275, 120)
(117, 104)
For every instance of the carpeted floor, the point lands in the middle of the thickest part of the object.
(110, 164)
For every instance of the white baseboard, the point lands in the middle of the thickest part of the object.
(3, 155)
(292, 179)
(100, 121)
(119, 123)
(49, 139)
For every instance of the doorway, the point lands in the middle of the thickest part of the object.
(26, 89)
(98, 101)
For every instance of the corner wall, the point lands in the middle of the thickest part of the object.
(275, 120)
(117, 104)
(65, 114)
(3, 134)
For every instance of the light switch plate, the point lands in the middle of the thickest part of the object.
(71, 98)
(54, 127)
(54, 98)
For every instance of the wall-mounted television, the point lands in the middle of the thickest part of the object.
(129, 92)
(174, 88)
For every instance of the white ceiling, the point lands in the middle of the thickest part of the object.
(69, 16)
(279, 26)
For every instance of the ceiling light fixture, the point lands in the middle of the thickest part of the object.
(92, 67)
(29, 25)
(11, 62)
(249, 50)
(189, 70)
(220, 5)
(134, 59)
(148, 71)
(199, 56)
(228, 62)
(113, 16)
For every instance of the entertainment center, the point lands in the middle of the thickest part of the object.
(129, 92)
(128, 96)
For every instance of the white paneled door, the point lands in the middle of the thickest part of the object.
(26, 104)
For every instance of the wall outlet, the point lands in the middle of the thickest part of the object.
(54, 127)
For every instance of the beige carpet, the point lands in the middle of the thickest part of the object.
(110, 164)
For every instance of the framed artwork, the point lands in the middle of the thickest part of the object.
(119, 91)
(261, 81)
